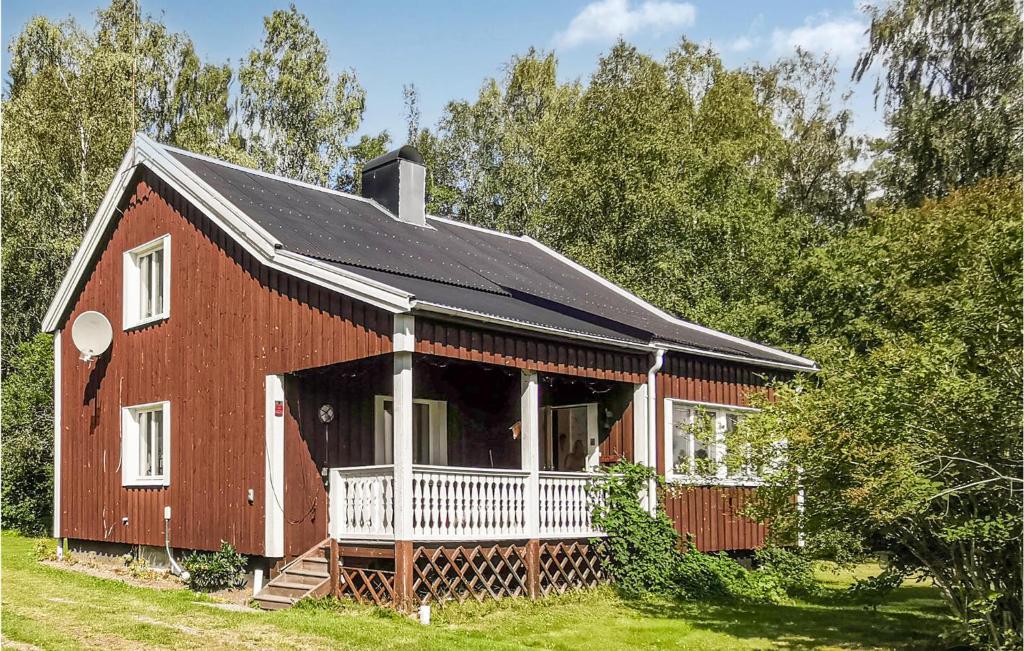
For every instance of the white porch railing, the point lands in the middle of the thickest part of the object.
(460, 503)
(567, 500)
(362, 503)
(450, 503)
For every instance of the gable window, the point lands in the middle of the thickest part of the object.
(147, 282)
(429, 431)
(146, 445)
(696, 436)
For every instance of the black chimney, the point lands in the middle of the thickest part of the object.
(397, 181)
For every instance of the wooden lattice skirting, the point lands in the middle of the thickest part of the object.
(483, 572)
(570, 564)
(367, 586)
(445, 573)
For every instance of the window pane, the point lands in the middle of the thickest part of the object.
(144, 444)
(682, 418)
(703, 429)
(157, 441)
(145, 284)
(157, 277)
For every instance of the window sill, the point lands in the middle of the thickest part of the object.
(135, 325)
(147, 482)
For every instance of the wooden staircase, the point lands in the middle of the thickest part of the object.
(308, 575)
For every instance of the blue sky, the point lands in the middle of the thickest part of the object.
(448, 49)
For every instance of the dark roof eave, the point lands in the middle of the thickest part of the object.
(803, 366)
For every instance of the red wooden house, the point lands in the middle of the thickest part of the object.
(365, 398)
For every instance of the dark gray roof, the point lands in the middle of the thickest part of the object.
(453, 265)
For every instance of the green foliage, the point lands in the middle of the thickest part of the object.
(215, 570)
(909, 439)
(680, 179)
(642, 551)
(297, 117)
(874, 589)
(26, 402)
(138, 568)
(793, 569)
(952, 88)
(45, 549)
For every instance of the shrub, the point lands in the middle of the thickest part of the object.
(642, 554)
(45, 549)
(138, 568)
(792, 569)
(716, 576)
(215, 570)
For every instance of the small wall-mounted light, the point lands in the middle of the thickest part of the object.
(326, 413)
(251, 496)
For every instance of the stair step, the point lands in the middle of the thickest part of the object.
(277, 599)
(282, 591)
(290, 585)
(273, 605)
(304, 572)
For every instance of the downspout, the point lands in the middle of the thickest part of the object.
(175, 568)
(652, 426)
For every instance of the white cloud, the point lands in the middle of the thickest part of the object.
(741, 44)
(606, 20)
(842, 38)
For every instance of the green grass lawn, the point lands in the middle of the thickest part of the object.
(60, 609)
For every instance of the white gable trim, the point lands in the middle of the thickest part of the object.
(256, 240)
(798, 362)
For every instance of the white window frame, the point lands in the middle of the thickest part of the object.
(383, 448)
(717, 448)
(593, 433)
(132, 300)
(130, 471)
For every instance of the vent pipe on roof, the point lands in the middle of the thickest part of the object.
(397, 180)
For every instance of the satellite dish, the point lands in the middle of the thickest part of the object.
(92, 334)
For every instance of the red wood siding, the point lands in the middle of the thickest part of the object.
(232, 322)
(707, 512)
(528, 352)
(711, 515)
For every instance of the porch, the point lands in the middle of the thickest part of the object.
(451, 504)
(434, 477)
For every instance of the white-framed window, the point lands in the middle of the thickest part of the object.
(429, 431)
(695, 441)
(147, 282)
(146, 445)
(569, 437)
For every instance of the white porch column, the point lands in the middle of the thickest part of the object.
(529, 418)
(273, 480)
(641, 454)
(404, 343)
